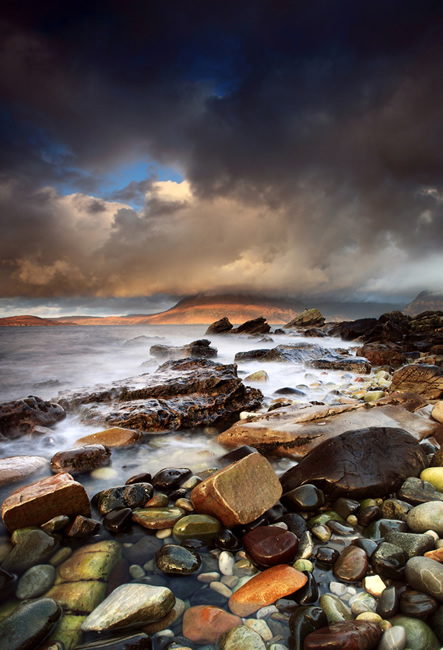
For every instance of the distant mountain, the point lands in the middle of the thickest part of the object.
(27, 321)
(425, 301)
(204, 309)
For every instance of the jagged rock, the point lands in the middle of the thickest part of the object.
(199, 349)
(367, 462)
(181, 394)
(20, 417)
(222, 326)
(240, 492)
(80, 459)
(379, 354)
(296, 353)
(16, 468)
(293, 431)
(39, 502)
(254, 326)
(419, 378)
(349, 364)
(350, 330)
(308, 318)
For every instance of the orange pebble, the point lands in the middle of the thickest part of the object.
(205, 623)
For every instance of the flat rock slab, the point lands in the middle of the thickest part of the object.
(113, 438)
(240, 492)
(419, 378)
(16, 468)
(39, 502)
(20, 417)
(200, 349)
(180, 394)
(294, 432)
(366, 462)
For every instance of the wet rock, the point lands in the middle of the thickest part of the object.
(130, 605)
(36, 581)
(353, 364)
(180, 394)
(387, 605)
(417, 604)
(393, 639)
(177, 560)
(20, 418)
(260, 375)
(222, 326)
(118, 520)
(240, 638)
(355, 635)
(379, 354)
(158, 518)
(170, 478)
(419, 635)
(204, 623)
(419, 378)
(16, 468)
(83, 527)
(113, 438)
(143, 477)
(434, 476)
(199, 349)
(304, 498)
(335, 609)
(33, 547)
(415, 491)
(425, 575)
(201, 527)
(295, 353)
(239, 493)
(35, 504)
(29, 624)
(80, 459)
(389, 560)
(304, 621)
(372, 461)
(268, 545)
(265, 588)
(437, 412)
(143, 551)
(351, 565)
(350, 330)
(125, 496)
(395, 509)
(308, 318)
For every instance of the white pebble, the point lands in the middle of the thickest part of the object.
(226, 563)
(433, 534)
(337, 588)
(220, 588)
(261, 627)
(280, 524)
(374, 585)
(265, 612)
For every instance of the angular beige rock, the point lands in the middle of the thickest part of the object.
(419, 378)
(293, 431)
(437, 412)
(114, 437)
(39, 502)
(239, 493)
(16, 468)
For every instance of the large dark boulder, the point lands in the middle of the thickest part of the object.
(254, 326)
(370, 462)
(180, 394)
(22, 416)
(200, 349)
(350, 330)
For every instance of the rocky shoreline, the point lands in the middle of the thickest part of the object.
(342, 550)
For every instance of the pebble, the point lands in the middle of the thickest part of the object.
(36, 581)
(207, 578)
(268, 546)
(358, 635)
(393, 639)
(157, 518)
(202, 527)
(425, 575)
(362, 603)
(335, 609)
(29, 624)
(374, 585)
(221, 588)
(261, 627)
(205, 623)
(177, 560)
(419, 635)
(351, 565)
(226, 562)
(240, 638)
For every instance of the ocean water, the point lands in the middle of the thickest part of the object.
(45, 361)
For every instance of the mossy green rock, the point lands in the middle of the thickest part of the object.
(434, 476)
(419, 635)
(323, 518)
(32, 548)
(67, 631)
(91, 562)
(203, 527)
(335, 609)
(80, 597)
(157, 518)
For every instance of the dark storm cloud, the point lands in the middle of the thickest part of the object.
(318, 125)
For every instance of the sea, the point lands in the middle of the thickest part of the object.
(46, 361)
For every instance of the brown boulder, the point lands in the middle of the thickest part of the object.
(366, 462)
(254, 326)
(39, 502)
(80, 459)
(113, 438)
(382, 355)
(419, 378)
(222, 326)
(22, 416)
(16, 468)
(238, 493)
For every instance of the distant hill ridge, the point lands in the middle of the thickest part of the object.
(425, 301)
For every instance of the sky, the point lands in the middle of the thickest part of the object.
(153, 150)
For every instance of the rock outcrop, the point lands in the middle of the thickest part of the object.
(22, 416)
(308, 318)
(180, 394)
(200, 349)
(419, 378)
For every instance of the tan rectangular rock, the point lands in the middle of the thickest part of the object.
(239, 493)
(39, 502)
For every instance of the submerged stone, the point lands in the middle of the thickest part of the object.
(29, 624)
